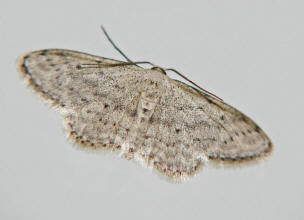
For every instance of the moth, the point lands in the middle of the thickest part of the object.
(142, 114)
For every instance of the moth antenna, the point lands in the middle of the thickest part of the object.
(94, 65)
(130, 62)
(98, 65)
(113, 44)
(184, 77)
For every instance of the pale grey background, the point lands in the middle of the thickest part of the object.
(248, 52)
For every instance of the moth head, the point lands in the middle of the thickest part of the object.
(157, 68)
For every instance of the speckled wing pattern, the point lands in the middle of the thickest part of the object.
(142, 113)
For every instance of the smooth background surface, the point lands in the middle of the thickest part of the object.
(250, 53)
